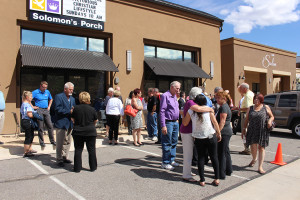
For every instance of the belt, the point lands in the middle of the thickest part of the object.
(171, 120)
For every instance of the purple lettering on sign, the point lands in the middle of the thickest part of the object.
(53, 6)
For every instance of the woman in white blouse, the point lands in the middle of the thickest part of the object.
(114, 110)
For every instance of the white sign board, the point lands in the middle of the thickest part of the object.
(87, 9)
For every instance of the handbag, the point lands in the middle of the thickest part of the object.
(273, 123)
(129, 110)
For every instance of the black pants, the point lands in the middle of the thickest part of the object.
(129, 125)
(209, 145)
(91, 148)
(224, 157)
(113, 123)
(29, 131)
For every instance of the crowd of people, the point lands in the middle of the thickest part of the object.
(200, 121)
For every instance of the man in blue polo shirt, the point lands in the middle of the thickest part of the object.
(43, 101)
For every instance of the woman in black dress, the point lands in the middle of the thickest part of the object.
(260, 118)
(84, 118)
(224, 118)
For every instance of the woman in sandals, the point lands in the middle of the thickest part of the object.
(136, 122)
(260, 118)
(26, 123)
(206, 138)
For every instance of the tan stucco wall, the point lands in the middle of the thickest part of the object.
(248, 58)
(128, 24)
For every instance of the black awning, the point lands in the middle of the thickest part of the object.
(40, 56)
(165, 67)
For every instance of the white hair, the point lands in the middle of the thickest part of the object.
(175, 83)
(194, 92)
(68, 84)
(110, 90)
(245, 85)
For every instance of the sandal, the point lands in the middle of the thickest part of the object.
(215, 183)
(191, 180)
(252, 163)
(141, 144)
(137, 145)
(261, 172)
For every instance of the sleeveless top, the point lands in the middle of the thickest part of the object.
(257, 132)
(201, 129)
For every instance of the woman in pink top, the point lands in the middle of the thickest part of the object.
(186, 134)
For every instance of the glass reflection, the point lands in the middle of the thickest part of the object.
(32, 37)
(169, 54)
(149, 51)
(65, 41)
(96, 45)
(188, 56)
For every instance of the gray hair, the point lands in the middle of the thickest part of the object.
(68, 84)
(174, 83)
(194, 92)
(217, 89)
(245, 85)
(110, 90)
(156, 90)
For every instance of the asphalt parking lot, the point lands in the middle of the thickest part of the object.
(128, 172)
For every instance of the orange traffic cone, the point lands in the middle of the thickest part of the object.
(278, 158)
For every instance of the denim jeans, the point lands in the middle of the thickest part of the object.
(158, 128)
(169, 142)
(152, 124)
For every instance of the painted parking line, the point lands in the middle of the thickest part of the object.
(207, 168)
(64, 186)
(268, 151)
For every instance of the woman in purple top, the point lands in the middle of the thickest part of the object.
(186, 134)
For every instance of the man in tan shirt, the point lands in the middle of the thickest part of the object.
(246, 103)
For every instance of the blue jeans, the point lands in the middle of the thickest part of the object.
(169, 142)
(152, 124)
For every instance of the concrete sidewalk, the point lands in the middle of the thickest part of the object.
(281, 183)
(13, 147)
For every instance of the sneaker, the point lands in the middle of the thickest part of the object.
(154, 138)
(167, 166)
(175, 164)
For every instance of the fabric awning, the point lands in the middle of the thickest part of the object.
(166, 67)
(51, 57)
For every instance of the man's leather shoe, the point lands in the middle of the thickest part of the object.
(53, 143)
(43, 145)
(1, 142)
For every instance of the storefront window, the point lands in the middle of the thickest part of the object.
(96, 45)
(169, 54)
(61, 41)
(32, 37)
(188, 56)
(149, 51)
(65, 41)
(96, 85)
(56, 83)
